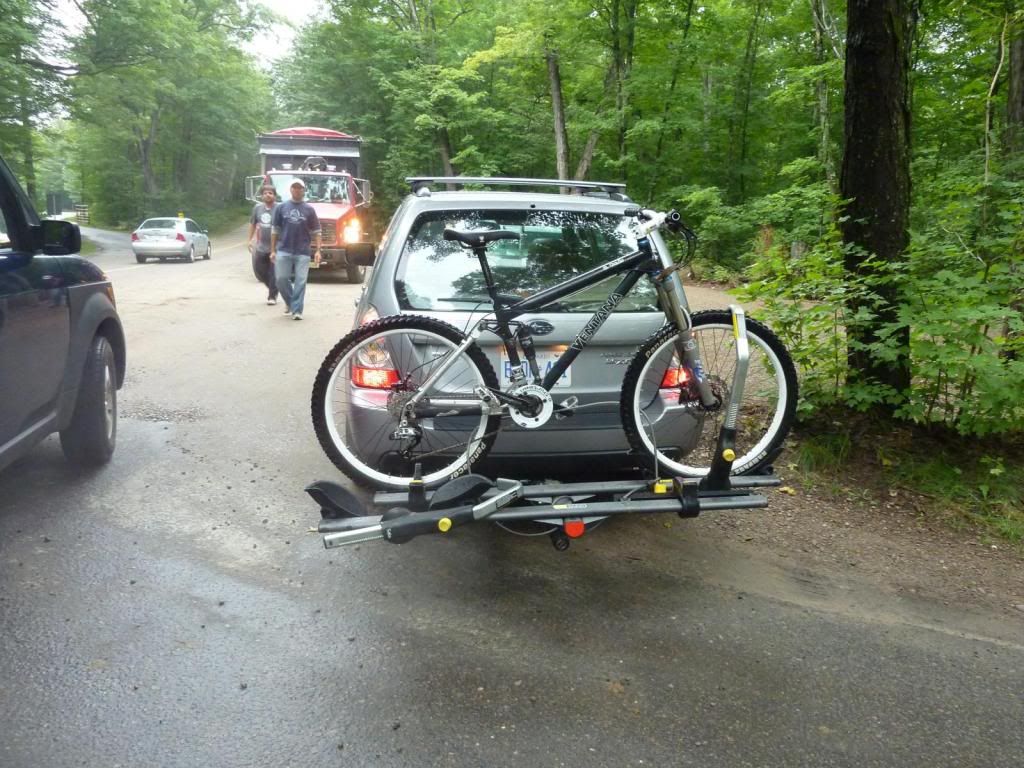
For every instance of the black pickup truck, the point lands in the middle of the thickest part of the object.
(62, 351)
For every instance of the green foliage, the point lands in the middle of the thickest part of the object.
(163, 107)
(730, 111)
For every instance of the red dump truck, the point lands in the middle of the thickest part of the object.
(329, 163)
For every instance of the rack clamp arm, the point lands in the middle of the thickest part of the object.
(717, 478)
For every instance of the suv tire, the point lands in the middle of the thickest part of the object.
(90, 437)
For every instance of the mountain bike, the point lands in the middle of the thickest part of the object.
(409, 397)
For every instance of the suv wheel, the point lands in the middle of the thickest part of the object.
(90, 437)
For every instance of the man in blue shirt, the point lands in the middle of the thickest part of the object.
(295, 225)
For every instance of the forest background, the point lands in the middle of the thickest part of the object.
(730, 110)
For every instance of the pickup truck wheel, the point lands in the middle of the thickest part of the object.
(355, 273)
(90, 437)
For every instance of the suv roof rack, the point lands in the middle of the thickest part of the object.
(421, 184)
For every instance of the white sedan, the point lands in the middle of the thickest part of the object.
(169, 238)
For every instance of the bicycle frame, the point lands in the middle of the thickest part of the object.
(652, 262)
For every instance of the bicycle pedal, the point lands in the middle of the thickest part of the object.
(567, 408)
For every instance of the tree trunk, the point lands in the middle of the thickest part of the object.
(820, 13)
(705, 102)
(1015, 94)
(24, 107)
(445, 147)
(741, 114)
(583, 168)
(144, 144)
(558, 111)
(1014, 149)
(677, 66)
(623, 39)
(585, 159)
(875, 174)
(27, 153)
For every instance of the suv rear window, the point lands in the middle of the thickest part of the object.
(435, 274)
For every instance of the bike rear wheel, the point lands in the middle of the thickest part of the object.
(371, 374)
(661, 413)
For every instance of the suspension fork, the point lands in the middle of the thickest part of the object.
(672, 296)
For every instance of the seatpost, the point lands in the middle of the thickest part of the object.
(480, 251)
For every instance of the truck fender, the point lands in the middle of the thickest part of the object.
(92, 313)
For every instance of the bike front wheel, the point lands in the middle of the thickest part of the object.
(361, 403)
(662, 414)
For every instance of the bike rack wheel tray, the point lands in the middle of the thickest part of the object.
(473, 498)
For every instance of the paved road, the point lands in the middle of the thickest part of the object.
(173, 609)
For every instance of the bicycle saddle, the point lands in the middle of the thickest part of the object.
(476, 239)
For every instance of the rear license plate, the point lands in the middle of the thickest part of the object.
(545, 360)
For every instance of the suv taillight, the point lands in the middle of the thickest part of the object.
(374, 378)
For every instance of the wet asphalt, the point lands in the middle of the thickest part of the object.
(174, 609)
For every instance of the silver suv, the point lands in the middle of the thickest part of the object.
(416, 272)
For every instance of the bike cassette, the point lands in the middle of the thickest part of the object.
(542, 409)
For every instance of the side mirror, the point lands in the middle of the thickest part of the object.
(363, 254)
(60, 237)
(205, 231)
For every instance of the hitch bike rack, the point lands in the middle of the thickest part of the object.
(567, 506)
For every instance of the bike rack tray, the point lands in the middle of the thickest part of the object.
(567, 503)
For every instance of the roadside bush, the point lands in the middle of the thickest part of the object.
(961, 287)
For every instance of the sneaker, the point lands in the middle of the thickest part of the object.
(287, 310)
(297, 316)
(271, 301)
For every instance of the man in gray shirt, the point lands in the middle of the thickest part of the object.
(259, 224)
(295, 224)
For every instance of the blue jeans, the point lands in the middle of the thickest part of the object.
(289, 267)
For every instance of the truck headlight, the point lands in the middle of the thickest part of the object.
(353, 231)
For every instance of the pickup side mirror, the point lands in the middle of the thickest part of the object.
(60, 237)
(363, 254)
